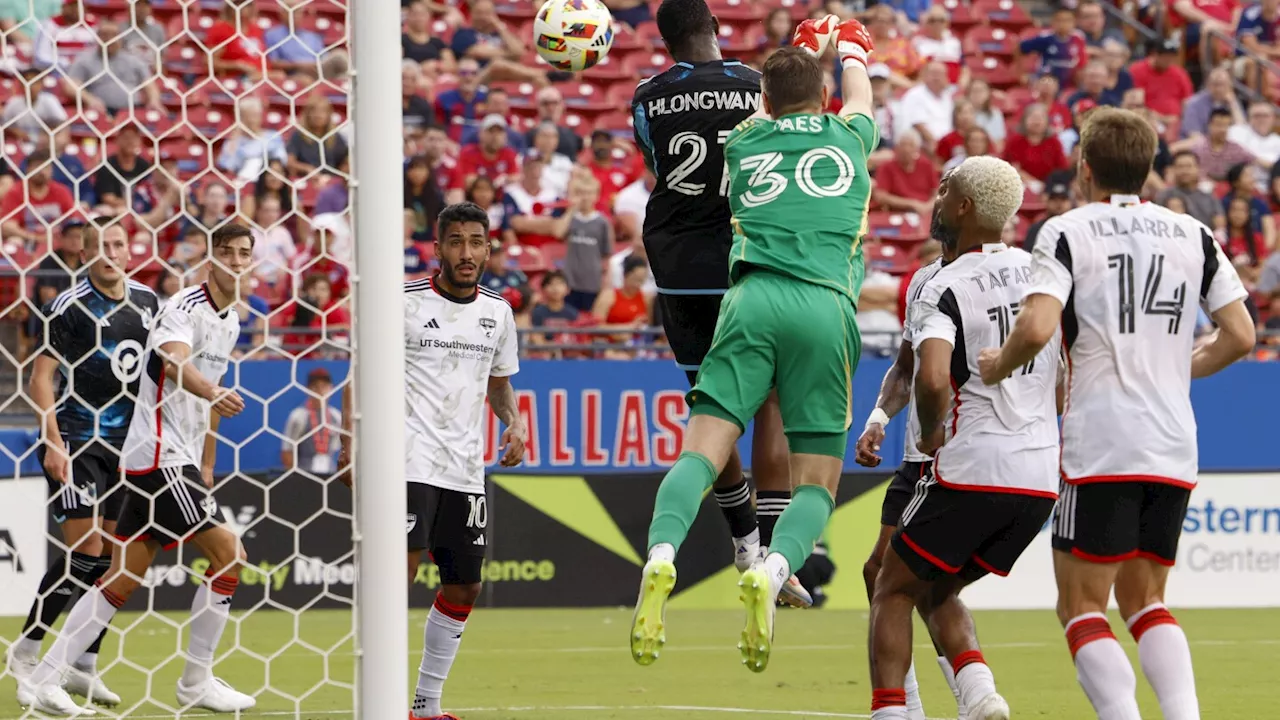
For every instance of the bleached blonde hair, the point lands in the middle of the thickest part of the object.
(994, 186)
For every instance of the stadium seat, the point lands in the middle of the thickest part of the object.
(983, 40)
(618, 123)
(583, 98)
(514, 12)
(1032, 204)
(998, 75)
(648, 32)
(608, 71)
(647, 65)
(1008, 14)
(962, 16)
(733, 41)
(897, 226)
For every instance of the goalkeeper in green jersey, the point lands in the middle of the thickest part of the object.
(799, 190)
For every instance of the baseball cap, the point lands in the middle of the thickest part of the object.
(532, 155)
(319, 375)
(496, 246)
(76, 220)
(879, 71)
(493, 120)
(601, 132)
(1168, 45)
(1058, 190)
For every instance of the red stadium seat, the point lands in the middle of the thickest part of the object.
(647, 65)
(1032, 204)
(962, 16)
(516, 11)
(998, 74)
(984, 40)
(1008, 14)
(648, 32)
(896, 226)
(209, 122)
(583, 98)
(609, 70)
(618, 123)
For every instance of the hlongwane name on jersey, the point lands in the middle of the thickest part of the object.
(704, 100)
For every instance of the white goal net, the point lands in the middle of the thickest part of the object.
(171, 119)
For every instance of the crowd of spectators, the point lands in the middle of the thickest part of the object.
(177, 118)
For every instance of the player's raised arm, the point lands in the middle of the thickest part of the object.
(854, 46)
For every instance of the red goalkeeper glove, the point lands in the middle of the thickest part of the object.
(853, 43)
(815, 35)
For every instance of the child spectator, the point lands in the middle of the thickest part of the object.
(415, 263)
(552, 311)
(273, 247)
(319, 314)
(423, 199)
(482, 192)
(628, 307)
(589, 237)
(189, 252)
(1061, 48)
(273, 182)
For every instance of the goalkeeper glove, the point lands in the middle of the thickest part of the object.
(815, 35)
(853, 44)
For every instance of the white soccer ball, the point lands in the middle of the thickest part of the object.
(573, 34)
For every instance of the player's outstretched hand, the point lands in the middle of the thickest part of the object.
(228, 403)
(989, 365)
(853, 43)
(56, 463)
(868, 445)
(512, 445)
(930, 443)
(815, 35)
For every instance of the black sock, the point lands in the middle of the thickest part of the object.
(735, 503)
(100, 569)
(769, 505)
(57, 588)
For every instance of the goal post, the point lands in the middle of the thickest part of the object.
(378, 363)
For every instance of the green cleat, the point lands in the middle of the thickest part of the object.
(757, 636)
(648, 625)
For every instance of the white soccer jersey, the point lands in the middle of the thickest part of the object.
(169, 425)
(1000, 438)
(1128, 274)
(918, 280)
(452, 347)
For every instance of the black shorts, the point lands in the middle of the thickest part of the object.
(902, 487)
(94, 485)
(167, 505)
(1116, 521)
(451, 525)
(967, 533)
(690, 323)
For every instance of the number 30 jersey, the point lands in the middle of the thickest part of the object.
(799, 190)
(1130, 276)
(682, 118)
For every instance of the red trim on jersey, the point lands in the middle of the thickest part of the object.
(155, 464)
(992, 488)
(1103, 559)
(1155, 558)
(1066, 403)
(1161, 479)
(987, 566)
(930, 557)
(955, 406)
(1149, 619)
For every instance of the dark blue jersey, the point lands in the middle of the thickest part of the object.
(99, 343)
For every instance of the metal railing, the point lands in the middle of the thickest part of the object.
(1211, 40)
(1125, 15)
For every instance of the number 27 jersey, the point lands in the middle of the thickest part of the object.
(1130, 276)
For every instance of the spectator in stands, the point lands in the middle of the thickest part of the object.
(252, 310)
(334, 195)
(928, 107)
(1243, 245)
(976, 144)
(909, 182)
(144, 35)
(322, 318)
(435, 147)
(316, 142)
(113, 183)
(1165, 83)
(962, 121)
(529, 206)
(311, 434)
(167, 285)
(273, 182)
(1218, 94)
(108, 80)
(892, 49)
(62, 37)
(936, 43)
(31, 207)
(1045, 91)
(20, 19)
(274, 248)
(416, 264)
(418, 43)
(1115, 55)
(1057, 201)
(878, 308)
(881, 99)
(461, 105)
(293, 45)
(629, 208)
(986, 115)
(1242, 185)
(588, 238)
(1092, 21)
(556, 167)
(1269, 280)
(1204, 16)
(498, 274)
(423, 198)
(32, 114)
(482, 192)
(211, 211)
(552, 311)
(57, 270)
(498, 102)
(1062, 48)
(250, 145)
(777, 32)
(551, 110)
(1217, 154)
(634, 12)
(494, 46)
(1258, 135)
(237, 44)
(1034, 151)
(610, 167)
(189, 252)
(415, 110)
(1257, 32)
(1186, 187)
(1093, 87)
(491, 158)
(628, 307)
(68, 170)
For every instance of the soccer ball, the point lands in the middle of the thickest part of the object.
(573, 34)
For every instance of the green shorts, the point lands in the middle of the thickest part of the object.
(803, 339)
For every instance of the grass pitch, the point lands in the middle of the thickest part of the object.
(544, 664)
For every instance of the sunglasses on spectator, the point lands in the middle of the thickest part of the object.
(549, 101)
(936, 19)
(468, 73)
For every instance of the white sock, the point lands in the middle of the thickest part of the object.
(91, 613)
(778, 570)
(752, 538)
(950, 676)
(26, 648)
(1166, 661)
(441, 639)
(975, 682)
(88, 662)
(891, 713)
(209, 612)
(915, 708)
(1102, 668)
(663, 551)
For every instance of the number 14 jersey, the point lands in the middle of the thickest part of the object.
(1130, 276)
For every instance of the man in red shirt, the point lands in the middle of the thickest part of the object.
(1166, 83)
(907, 184)
(613, 171)
(491, 158)
(237, 52)
(30, 208)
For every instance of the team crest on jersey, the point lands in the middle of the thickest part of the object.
(488, 325)
(410, 522)
(209, 505)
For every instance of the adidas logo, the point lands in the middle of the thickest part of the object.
(742, 549)
(432, 325)
(479, 541)
(225, 601)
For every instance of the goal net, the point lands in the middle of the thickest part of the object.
(172, 118)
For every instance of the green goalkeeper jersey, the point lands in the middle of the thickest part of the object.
(799, 190)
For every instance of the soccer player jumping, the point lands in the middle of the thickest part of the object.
(1122, 276)
(799, 189)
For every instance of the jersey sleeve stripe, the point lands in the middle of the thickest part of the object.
(139, 286)
(494, 295)
(1070, 325)
(63, 300)
(959, 359)
(1210, 262)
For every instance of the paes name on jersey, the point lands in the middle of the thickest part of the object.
(705, 100)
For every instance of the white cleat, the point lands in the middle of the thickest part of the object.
(26, 692)
(19, 666)
(793, 593)
(90, 687)
(744, 554)
(991, 707)
(52, 700)
(214, 694)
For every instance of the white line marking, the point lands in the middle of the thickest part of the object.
(543, 708)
